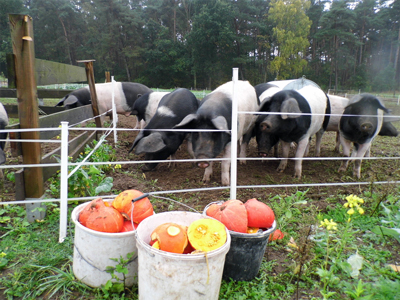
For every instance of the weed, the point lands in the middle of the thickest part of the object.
(116, 285)
(88, 180)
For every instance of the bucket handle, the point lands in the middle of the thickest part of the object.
(149, 194)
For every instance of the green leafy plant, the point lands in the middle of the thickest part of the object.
(116, 285)
(391, 221)
(88, 180)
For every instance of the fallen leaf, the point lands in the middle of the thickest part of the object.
(292, 243)
(395, 268)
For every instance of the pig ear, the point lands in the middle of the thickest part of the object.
(150, 144)
(290, 106)
(185, 123)
(61, 103)
(380, 105)
(70, 100)
(221, 124)
(138, 138)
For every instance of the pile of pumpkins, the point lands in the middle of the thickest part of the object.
(248, 217)
(200, 236)
(206, 234)
(117, 216)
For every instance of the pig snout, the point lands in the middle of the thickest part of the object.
(203, 164)
(262, 153)
(366, 127)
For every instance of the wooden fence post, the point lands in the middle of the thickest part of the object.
(92, 88)
(24, 54)
(108, 76)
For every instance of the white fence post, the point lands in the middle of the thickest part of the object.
(64, 182)
(234, 135)
(114, 110)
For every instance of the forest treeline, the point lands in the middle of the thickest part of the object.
(338, 44)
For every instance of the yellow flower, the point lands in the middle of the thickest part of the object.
(354, 203)
(330, 225)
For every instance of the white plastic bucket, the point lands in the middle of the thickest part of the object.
(164, 275)
(93, 250)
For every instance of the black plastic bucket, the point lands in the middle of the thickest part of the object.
(243, 260)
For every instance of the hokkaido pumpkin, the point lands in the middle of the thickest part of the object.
(170, 237)
(259, 214)
(127, 226)
(141, 209)
(206, 234)
(106, 219)
(90, 208)
(231, 213)
(277, 235)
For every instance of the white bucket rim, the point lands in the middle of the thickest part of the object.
(74, 218)
(241, 234)
(224, 248)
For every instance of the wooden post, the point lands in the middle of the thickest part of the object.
(92, 88)
(108, 76)
(24, 57)
(11, 71)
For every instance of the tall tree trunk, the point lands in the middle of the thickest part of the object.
(396, 61)
(128, 74)
(66, 38)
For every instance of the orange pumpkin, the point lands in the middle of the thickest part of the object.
(92, 207)
(127, 226)
(141, 209)
(259, 214)
(277, 235)
(170, 237)
(231, 213)
(106, 219)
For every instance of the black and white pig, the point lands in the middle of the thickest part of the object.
(159, 145)
(125, 95)
(294, 116)
(215, 113)
(338, 104)
(361, 122)
(266, 90)
(3, 135)
(146, 105)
